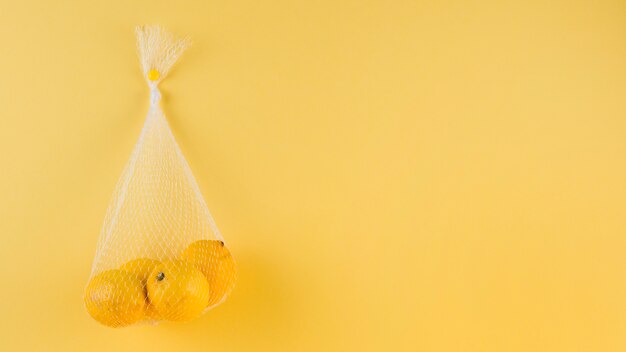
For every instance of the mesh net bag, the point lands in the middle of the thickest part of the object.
(160, 255)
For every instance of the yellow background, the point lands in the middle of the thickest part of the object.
(391, 175)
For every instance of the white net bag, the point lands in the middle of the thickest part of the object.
(160, 255)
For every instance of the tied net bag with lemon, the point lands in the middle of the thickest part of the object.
(160, 255)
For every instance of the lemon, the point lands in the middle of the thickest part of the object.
(152, 314)
(115, 298)
(214, 260)
(142, 267)
(177, 290)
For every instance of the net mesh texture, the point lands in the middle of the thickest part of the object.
(160, 255)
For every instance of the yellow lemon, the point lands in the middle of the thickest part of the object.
(214, 260)
(152, 314)
(142, 267)
(177, 290)
(115, 298)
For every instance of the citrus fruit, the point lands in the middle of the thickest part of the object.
(214, 260)
(177, 290)
(142, 267)
(115, 298)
